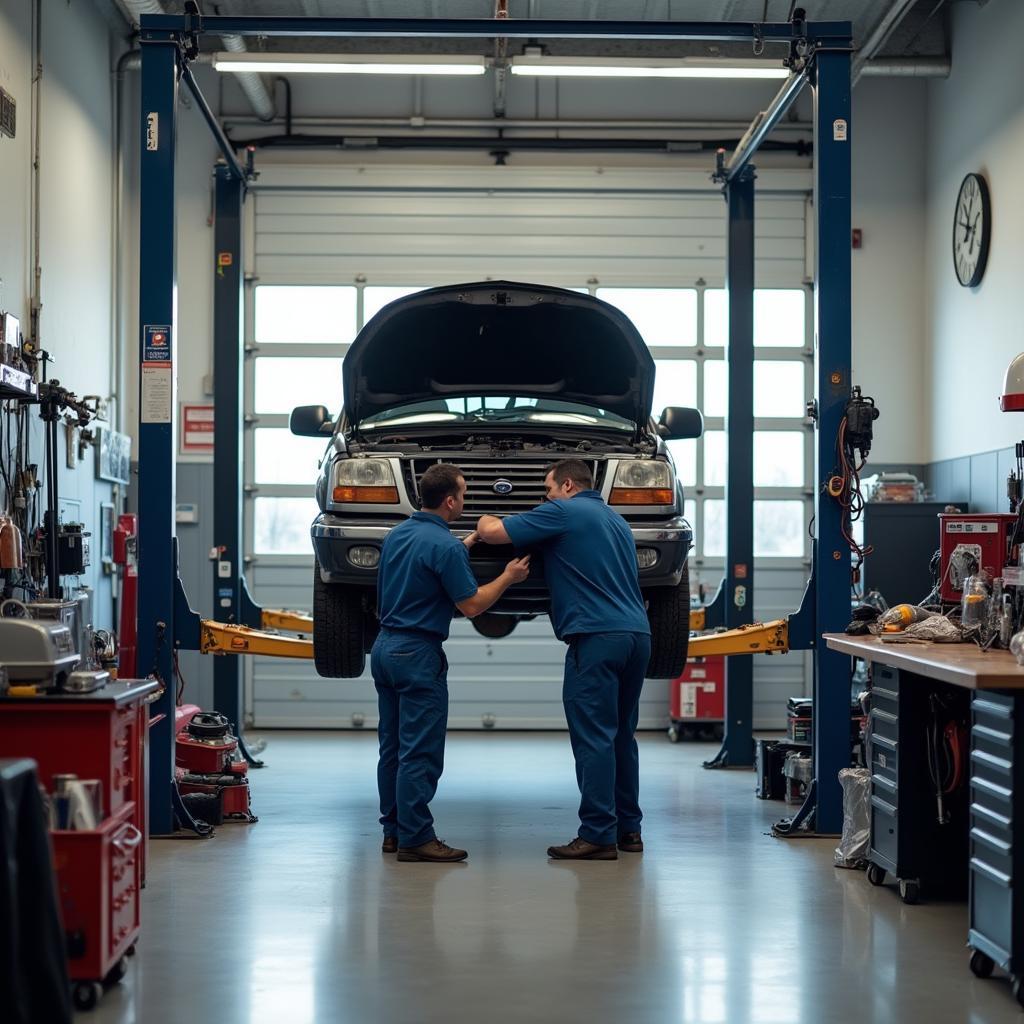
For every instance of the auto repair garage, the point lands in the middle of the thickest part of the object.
(510, 508)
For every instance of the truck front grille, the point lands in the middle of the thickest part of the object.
(525, 475)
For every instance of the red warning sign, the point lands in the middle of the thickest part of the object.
(197, 429)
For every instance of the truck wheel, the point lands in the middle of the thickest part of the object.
(494, 627)
(668, 610)
(338, 626)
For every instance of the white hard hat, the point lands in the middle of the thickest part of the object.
(1012, 398)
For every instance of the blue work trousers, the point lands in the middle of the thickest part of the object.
(410, 673)
(604, 674)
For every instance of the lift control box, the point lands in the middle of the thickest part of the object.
(969, 542)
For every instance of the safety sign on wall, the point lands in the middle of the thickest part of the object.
(196, 429)
(157, 374)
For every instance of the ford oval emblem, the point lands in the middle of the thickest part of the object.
(502, 486)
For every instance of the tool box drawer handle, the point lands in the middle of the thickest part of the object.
(128, 838)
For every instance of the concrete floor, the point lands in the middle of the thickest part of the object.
(300, 919)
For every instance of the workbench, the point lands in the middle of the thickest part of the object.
(991, 685)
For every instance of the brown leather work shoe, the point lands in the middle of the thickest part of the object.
(580, 849)
(631, 843)
(390, 845)
(436, 851)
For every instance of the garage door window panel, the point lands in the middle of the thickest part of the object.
(665, 317)
(281, 383)
(321, 315)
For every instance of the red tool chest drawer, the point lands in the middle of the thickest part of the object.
(98, 881)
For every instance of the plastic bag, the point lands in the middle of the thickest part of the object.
(903, 615)
(852, 851)
(936, 630)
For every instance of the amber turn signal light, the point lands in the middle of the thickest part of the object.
(376, 495)
(641, 496)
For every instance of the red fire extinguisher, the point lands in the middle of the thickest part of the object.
(125, 554)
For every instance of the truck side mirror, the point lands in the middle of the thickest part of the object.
(310, 421)
(678, 423)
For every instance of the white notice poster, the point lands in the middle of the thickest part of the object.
(157, 393)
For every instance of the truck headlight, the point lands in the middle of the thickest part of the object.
(642, 482)
(364, 480)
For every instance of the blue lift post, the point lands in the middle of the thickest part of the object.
(832, 179)
(228, 343)
(157, 410)
(828, 46)
(737, 590)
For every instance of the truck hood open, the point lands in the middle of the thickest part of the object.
(499, 338)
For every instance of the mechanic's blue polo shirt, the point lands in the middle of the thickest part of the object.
(589, 564)
(424, 572)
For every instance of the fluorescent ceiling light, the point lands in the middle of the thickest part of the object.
(638, 67)
(349, 64)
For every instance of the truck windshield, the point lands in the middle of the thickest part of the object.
(510, 409)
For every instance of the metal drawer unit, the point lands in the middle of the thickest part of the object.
(907, 840)
(997, 836)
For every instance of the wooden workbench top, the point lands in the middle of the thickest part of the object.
(964, 665)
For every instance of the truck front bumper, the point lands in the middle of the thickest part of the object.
(337, 541)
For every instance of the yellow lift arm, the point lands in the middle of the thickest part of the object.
(291, 622)
(224, 638)
(757, 638)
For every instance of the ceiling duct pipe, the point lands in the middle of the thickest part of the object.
(916, 67)
(888, 24)
(250, 82)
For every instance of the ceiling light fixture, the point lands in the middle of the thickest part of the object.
(350, 63)
(639, 67)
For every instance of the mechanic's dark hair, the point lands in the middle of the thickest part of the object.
(439, 482)
(575, 470)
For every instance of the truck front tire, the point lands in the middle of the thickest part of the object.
(668, 611)
(339, 648)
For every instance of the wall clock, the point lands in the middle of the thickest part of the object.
(972, 227)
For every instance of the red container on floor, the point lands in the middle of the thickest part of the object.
(698, 695)
(98, 876)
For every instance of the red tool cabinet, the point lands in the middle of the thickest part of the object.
(99, 883)
(102, 735)
(697, 697)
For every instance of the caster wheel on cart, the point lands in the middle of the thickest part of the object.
(1018, 990)
(910, 891)
(117, 972)
(981, 965)
(876, 875)
(86, 994)
(673, 734)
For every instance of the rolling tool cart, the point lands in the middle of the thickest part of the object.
(918, 769)
(697, 698)
(98, 882)
(996, 934)
(99, 736)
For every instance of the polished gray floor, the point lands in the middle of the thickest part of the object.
(300, 919)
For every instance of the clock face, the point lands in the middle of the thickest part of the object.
(972, 225)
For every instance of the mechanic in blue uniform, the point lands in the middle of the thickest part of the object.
(424, 576)
(591, 571)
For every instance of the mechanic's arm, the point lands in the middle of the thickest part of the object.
(515, 572)
(491, 530)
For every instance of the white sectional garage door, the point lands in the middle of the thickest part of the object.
(328, 245)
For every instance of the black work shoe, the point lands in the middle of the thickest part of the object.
(390, 845)
(631, 843)
(580, 849)
(436, 851)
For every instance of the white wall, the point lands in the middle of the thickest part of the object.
(888, 135)
(975, 123)
(76, 142)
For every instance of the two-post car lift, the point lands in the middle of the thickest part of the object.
(819, 58)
